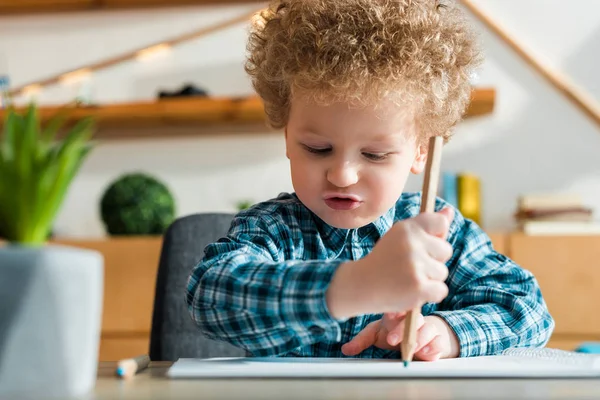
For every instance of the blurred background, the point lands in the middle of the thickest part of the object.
(165, 81)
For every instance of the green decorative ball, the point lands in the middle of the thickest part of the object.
(137, 204)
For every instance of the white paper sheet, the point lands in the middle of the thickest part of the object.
(555, 364)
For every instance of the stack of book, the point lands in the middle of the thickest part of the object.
(463, 190)
(555, 214)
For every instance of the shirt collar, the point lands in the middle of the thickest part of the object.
(331, 234)
(385, 222)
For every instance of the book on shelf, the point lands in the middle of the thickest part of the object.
(557, 228)
(547, 201)
(555, 214)
(463, 190)
(575, 214)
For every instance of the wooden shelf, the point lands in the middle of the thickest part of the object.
(198, 115)
(483, 101)
(170, 112)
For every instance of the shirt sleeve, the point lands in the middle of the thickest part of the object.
(493, 304)
(244, 291)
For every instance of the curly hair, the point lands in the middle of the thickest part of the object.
(419, 53)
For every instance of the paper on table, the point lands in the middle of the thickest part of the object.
(541, 363)
(556, 355)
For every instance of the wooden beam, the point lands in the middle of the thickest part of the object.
(580, 98)
(12, 7)
(131, 4)
(21, 7)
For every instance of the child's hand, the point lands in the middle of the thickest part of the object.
(407, 266)
(405, 270)
(435, 339)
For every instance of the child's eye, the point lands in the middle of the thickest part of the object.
(375, 157)
(316, 150)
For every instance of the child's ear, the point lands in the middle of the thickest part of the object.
(418, 164)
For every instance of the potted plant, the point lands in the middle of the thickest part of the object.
(137, 204)
(50, 295)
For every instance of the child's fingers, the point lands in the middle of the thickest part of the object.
(394, 316)
(363, 340)
(391, 320)
(434, 291)
(425, 335)
(396, 333)
(447, 212)
(431, 351)
(435, 224)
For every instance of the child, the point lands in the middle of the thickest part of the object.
(331, 269)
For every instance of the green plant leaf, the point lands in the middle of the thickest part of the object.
(54, 125)
(82, 131)
(26, 156)
(36, 171)
(48, 135)
(27, 139)
(68, 159)
(11, 128)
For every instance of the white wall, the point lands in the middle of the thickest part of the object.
(535, 140)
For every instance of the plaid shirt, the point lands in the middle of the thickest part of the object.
(262, 287)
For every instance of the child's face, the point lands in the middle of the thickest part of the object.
(349, 166)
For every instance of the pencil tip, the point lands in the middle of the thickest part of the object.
(405, 364)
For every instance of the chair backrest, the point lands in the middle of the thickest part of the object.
(174, 335)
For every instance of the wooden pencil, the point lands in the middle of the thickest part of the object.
(129, 367)
(430, 187)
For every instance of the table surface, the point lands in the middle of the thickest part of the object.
(153, 384)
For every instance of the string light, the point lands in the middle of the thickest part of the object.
(31, 90)
(153, 52)
(150, 52)
(76, 76)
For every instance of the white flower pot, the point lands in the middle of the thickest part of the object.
(50, 319)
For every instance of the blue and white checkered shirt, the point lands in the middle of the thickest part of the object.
(262, 287)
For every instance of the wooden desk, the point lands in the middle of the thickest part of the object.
(152, 384)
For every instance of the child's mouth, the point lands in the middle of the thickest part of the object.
(342, 204)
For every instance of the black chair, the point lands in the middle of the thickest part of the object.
(174, 334)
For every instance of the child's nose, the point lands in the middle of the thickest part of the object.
(342, 174)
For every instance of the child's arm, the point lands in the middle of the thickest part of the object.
(246, 293)
(255, 290)
(493, 304)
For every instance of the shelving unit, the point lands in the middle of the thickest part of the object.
(204, 115)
